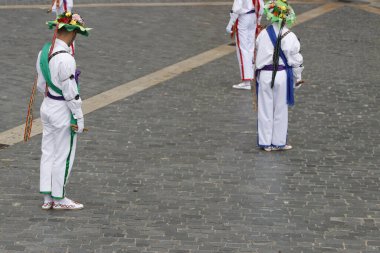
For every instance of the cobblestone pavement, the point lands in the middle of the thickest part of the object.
(175, 168)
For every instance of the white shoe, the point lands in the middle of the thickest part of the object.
(67, 204)
(268, 149)
(47, 205)
(242, 86)
(286, 147)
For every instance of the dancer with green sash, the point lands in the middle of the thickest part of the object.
(60, 110)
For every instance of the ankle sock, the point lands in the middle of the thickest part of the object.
(47, 198)
(64, 201)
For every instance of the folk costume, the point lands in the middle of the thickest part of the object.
(60, 109)
(279, 68)
(244, 21)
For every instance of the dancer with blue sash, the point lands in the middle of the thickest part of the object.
(279, 67)
(61, 110)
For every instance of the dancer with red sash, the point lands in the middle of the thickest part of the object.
(60, 6)
(61, 110)
(279, 67)
(244, 22)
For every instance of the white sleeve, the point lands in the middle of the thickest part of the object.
(66, 75)
(41, 83)
(261, 51)
(70, 91)
(258, 42)
(259, 20)
(291, 48)
(260, 8)
(233, 17)
(75, 106)
(237, 7)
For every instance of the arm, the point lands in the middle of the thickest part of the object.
(70, 89)
(238, 7)
(51, 6)
(41, 83)
(234, 14)
(291, 47)
(260, 10)
(233, 17)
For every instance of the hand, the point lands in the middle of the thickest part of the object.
(76, 76)
(49, 10)
(231, 23)
(299, 83)
(229, 29)
(80, 125)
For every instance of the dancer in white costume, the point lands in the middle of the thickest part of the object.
(61, 6)
(279, 67)
(244, 21)
(60, 109)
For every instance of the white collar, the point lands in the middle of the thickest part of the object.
(63, 44)
(276, 27)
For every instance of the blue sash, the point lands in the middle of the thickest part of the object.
(289, 71)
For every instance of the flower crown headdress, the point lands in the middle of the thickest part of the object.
(280, 11)
(70, 22)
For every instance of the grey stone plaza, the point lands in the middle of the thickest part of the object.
(175, 168)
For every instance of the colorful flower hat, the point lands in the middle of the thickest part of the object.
(279, 11)
(70, 22)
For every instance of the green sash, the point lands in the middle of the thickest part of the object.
(44, 65)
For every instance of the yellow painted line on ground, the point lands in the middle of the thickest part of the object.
(173, 4)
(368, 8)
(314, 13)
(16, 135)
(128, 89)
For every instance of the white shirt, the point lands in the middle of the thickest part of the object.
(290, 45)
(244, 6)
(62, 66)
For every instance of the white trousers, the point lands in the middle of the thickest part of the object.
(245, 44)
(272, 110)
(58, 147)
